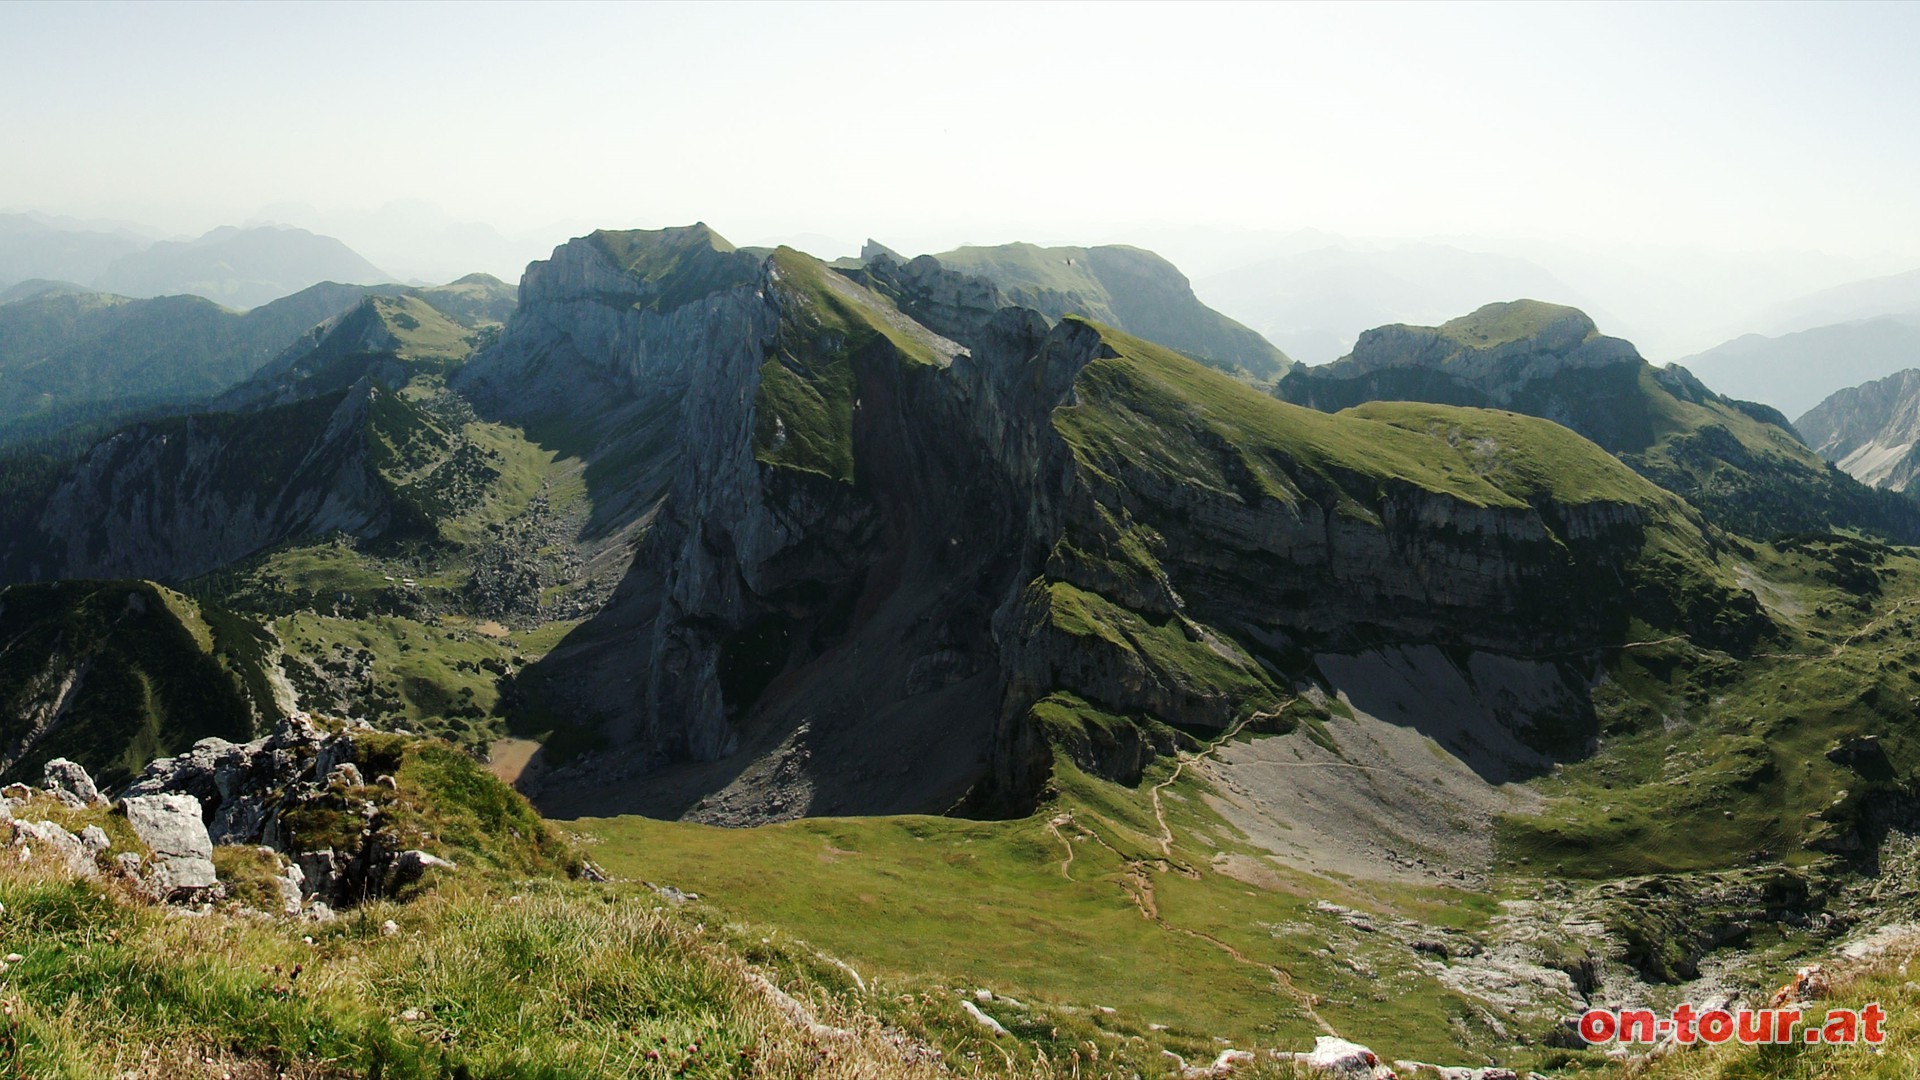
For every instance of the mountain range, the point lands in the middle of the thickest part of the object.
(236, 267)
(1059, 637)
(1794, 372)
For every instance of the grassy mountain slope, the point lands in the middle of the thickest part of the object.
(1740, 463)
(113, 674)
(1143, 408)
(390, 338)
(1123, 287)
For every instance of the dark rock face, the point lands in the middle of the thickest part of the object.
(174, 499)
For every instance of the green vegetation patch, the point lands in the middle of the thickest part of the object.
(1501, 324)
(803, 411)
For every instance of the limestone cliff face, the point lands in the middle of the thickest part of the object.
(888, 515)
(764, 565)
(1870, 431)
(174, 499)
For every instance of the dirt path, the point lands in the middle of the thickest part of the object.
(1845, 643)
(1180, 766)
(1053, 827)
(1137, 880)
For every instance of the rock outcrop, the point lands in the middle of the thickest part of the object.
(68, 781)
(170, 826)
(299, 792)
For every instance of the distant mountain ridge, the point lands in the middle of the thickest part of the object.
(240, 268)
(1741, 463)
(67, 352)
(1890, 294)
(1794, 372)
(34, 247)
(1128, 288)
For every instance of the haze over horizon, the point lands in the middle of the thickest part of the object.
(1214, 134)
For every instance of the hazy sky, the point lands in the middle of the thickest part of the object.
(1724, 125)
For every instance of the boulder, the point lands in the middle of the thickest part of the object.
(1336, 1057)
(68, 781)
(320, 873)
(410, 866)
(57, 842)
(182, 851)
(290, 884)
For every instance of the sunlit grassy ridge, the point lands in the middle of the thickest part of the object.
(1151, 404)
(1501, 324)
(1076, 910)
(553, 981)
(803, 415)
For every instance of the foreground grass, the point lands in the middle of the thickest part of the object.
(1078, 912)
(558, 981)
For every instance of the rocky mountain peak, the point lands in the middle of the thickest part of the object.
(1496, 346)
(1871, 431)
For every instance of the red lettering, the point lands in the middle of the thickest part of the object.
(1716, 1027)
(1842, 1027)
(1598, 1026)
(1872, 1017)
(1683, 1018)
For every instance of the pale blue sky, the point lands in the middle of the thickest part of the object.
(1722, 125)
